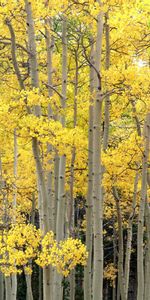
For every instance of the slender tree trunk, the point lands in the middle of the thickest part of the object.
(1, 286)
(49, 47)
(118, 290)
(107, 99)
(42, 188)
(89, 205)
(97, 172)
(62, 163)
(7, 288)
(32, 46)
(71, 198)
(71, 202)
(35, 147)
(50, 176)
(29, 287)
(72, 285)
(147, 254)
(114, 258)
(40, 284)
(121, 252)
(129, 237)
(60, 221)
(14, 276)
(56, 176)
(140, 268)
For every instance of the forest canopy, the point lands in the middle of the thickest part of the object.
(75, 149)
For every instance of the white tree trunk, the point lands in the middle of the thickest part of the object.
(7, 288)
(97, 173)
(1, 286)
(147, 254)
(140, 256)
(60, 220)
(43, 197)
(129, 237)
(107, 98)
(29, 287)
(121, 252)
(89, 206)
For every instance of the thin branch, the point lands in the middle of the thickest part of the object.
(7, 42)
(55, 90)
(13, 52)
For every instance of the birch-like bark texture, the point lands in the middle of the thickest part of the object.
(60, 221)
(72, 285)
(32, 46)
(107, 98)
(140, 256)
(2, 278)
(56, 176)
(147, 254)
(129, 237)
(121, 252)
(35, 147)
(89, 204)
(32, 52)
(42, 188)
(73, 156)
(29, 287)
(14, 276)
(1, 286)
(8, 288)
(114, 258)
(49, 48)
(62, 163)
(50, 175)
(97, 172)
(71, 198)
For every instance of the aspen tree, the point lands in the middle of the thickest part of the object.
(147, 254)
(72, 175)
(97, 171)
(60, 221)
(35, 146)
(29, 287)
(89, 206)
(1, 286)
(121, 250)
(129, 237)
(107, 97)
(14, 277)
(1, 274)
(8, 288)
(50, 175)
(140, 256)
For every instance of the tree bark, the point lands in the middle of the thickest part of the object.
(1, 286)
(107, 98)
(7, 288)
(89, 203)
(97, 172)
(129, 237)
(121, 252)
(140, 268)
(60, 221)
(147, 254)
(29, 287)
